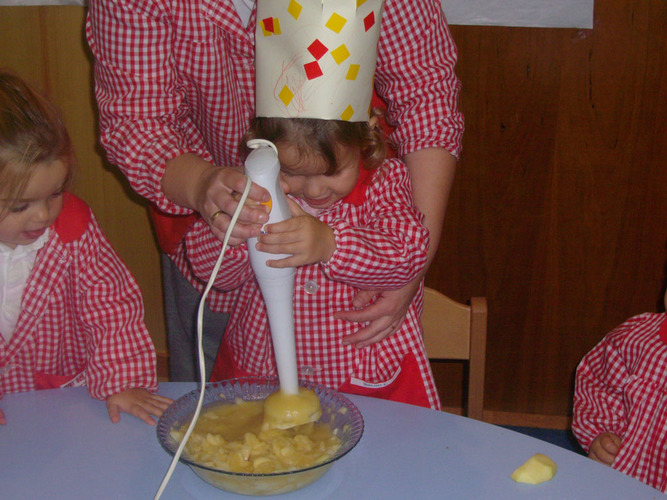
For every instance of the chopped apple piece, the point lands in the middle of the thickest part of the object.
(535, 470)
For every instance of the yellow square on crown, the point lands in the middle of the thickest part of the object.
(347, 114)
(294, 9)
(336, 22)
(352, 72)
(340, 54)
(272, 29)
(286, 95)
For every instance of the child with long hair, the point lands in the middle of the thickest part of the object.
(71, 312)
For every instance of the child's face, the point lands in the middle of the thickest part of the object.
(303, 175)
(27, 219)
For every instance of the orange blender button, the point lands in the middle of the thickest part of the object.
(268, 204)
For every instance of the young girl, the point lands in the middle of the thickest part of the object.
(71, 311)
(620, 399)
(354, 227)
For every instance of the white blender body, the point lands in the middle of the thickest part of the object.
(277, 285)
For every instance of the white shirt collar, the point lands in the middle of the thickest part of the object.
(15, 267)
(244, 9)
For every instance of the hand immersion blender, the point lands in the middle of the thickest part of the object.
(277, 285)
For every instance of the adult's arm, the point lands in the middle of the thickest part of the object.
(145, 119)
(415, 76)
(144, 115)
(432, 173)
(189, 181)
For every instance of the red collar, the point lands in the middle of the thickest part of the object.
(358, 195)
(663, 330)
(73, 219)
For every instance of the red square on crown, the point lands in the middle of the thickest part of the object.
(317, 49)
(312, 70)
(369, 21)
(268, 24)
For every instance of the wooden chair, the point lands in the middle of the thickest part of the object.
(458, 331)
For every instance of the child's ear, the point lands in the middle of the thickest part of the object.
(373, 122)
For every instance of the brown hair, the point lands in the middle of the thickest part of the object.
(321, 137)
(31, 133)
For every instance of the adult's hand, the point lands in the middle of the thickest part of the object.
(191, 182)
(385, 315)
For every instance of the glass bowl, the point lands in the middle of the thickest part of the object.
(338, 412)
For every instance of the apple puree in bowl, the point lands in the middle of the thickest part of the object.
(233, 437)
(282, 410)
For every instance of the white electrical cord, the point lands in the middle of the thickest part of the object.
(200, 349)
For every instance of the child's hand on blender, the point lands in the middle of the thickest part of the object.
(303, 237)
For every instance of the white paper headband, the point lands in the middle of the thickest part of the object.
(316, 58)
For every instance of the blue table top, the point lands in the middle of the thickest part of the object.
(60, 444)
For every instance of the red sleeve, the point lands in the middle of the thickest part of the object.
(598, 393)
(144, 115)
(386, 246)
(415, 76)
(120, 351)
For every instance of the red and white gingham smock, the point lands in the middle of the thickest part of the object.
(82, 316)
(621, 387)
(177, 76)
(380, 245)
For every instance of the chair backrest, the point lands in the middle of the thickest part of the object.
(458, 331)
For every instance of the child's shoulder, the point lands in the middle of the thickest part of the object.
(391, 171)
(392, 174)
(639, 329)
(392, 166)
(74, 218)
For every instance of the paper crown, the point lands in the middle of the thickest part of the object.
(316, 58)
